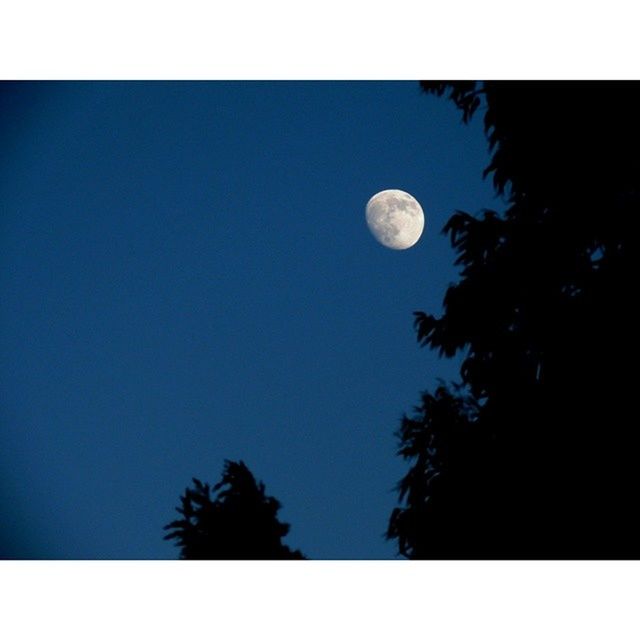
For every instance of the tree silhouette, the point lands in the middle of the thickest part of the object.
(534, 454)
(239, 523)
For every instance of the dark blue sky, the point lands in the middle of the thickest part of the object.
(186, 276)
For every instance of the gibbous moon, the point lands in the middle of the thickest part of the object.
(395, 218)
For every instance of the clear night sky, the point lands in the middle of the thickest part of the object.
(186, 275)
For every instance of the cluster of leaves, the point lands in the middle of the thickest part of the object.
(234, 520)
(439, 438)
(544, 314)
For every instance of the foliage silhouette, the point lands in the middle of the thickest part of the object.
(533, 455)
(240, 523)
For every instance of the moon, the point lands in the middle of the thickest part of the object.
(395, 218)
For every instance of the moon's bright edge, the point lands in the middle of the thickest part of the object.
(395, 218)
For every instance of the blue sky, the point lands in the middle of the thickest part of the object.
(186, 276)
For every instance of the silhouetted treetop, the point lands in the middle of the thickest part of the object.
(567, 154)
(233, 520)
(544, 314)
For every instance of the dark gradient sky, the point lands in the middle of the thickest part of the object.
(186, 276)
